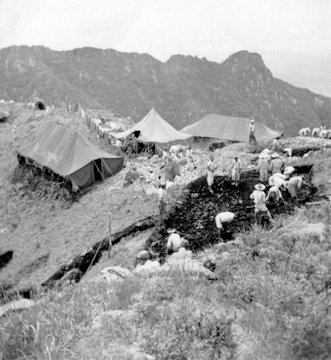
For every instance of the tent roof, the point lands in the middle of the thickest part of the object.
(228, 128)
(62, 151)
(153, 128)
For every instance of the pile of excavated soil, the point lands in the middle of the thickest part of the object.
(31, 182)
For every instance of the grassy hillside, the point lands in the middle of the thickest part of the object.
(271, 306)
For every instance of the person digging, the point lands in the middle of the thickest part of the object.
(259, 198)
(222, 220)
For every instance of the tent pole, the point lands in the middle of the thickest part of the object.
(70, 178)
(107, 167)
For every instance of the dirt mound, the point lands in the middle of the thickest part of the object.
(244, 147)
(33, 182)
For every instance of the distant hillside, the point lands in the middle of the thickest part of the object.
(183, 89)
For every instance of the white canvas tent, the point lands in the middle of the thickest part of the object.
(228, 128)
(154, 129)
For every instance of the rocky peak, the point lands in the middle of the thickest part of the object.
(249, 68)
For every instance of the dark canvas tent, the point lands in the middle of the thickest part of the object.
(228, 128)
(72, 156)
(154, 129)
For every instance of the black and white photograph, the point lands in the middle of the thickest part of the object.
(165, 180)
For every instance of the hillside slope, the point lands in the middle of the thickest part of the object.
(183, 89)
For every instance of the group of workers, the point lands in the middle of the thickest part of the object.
(272, 173)
(321, 132)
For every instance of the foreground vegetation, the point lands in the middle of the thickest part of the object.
(270, 301)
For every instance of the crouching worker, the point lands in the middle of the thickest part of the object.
(294, 185)
(175, 241)
(222, 220)
(259, 198)
(274, 195)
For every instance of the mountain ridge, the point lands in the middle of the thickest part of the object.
(183, 88)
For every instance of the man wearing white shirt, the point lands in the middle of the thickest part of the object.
(277, 180)
(293, 185)
(222, 220)
(259, 198)
(251, 129)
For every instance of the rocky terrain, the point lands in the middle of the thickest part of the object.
(264, 295)
(183, 89)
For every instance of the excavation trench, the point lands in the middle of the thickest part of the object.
(78, 265)
(93, 255)
(193, 215)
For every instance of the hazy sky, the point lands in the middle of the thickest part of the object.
(293, 36)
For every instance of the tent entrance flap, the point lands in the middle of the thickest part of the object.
(97, 169)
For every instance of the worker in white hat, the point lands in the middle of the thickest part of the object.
(222, 220)
(251, 128)
(276, 164)
(259, 198)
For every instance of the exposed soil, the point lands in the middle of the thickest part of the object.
(194, 215)
(5, 258)
(83, 262)
(33, 182)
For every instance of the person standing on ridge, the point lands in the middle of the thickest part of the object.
(252, 138)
